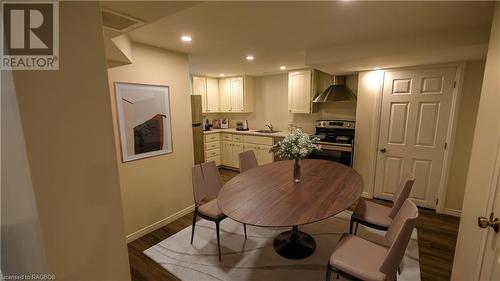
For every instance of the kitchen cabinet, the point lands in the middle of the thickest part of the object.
(230, 152)
(299, 91)
(208, 89)
(200, 88)
(213, 148)
(224, 95)
(237, 149)
(233, 144)
(264, 155)
(212, 95)
(261, 146)
(236, 94)
(303, 86)
(227, 153)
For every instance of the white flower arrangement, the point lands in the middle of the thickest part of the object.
(297, 145)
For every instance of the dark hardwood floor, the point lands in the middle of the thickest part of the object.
(437, 236)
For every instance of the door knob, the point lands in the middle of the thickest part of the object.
(383, 150)
(494, 223)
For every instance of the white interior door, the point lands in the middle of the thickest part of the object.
(490, 268)
(477, 251)
(414, 123)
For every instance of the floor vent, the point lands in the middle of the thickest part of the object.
(119, 22)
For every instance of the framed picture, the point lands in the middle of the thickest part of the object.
(144, 120)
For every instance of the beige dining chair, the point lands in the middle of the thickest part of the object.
(360, 259)
(206, 186)
(247, 161)
(378, 216)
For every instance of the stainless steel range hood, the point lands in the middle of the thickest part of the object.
(338, 91)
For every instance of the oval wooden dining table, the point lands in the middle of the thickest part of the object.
(267, 196)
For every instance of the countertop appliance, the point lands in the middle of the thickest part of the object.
(336, 139)
(242, 125)
(197, 125)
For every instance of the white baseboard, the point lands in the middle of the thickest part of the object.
(158, 224)
(452, 212)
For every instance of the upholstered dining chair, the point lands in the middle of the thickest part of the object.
(360, 259)
(378, 216)
(206, 186)
(247, 161)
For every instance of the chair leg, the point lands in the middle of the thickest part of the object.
(328, 272)
(350, 225)
(245, 229)
(218, 239)
(356, 230)
(195, 214)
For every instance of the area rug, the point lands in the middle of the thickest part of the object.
(255, 258)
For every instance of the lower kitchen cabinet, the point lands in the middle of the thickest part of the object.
(237, 149)
(227, 153)
(233, 145)
(264, 156)
(212, 148)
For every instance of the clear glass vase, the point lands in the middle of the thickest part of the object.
(296, 170)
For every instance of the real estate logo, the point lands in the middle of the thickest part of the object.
(30, 39)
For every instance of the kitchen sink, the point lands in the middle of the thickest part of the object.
(267, 131)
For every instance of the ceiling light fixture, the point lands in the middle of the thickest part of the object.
(222, 75)
(186, 38)
(376, 68)
(249, 57)
(282, 67)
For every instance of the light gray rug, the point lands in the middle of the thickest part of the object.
(255, 259)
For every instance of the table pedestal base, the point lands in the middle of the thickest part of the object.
(294, 244)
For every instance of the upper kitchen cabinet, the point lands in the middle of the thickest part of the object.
(303, 86)
(200, 88)
(236, 94)
(299, 91)
(208, 89)
(212, 95)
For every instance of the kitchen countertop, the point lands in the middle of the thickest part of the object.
(280, 134)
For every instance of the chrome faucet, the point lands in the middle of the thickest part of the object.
(270, 127)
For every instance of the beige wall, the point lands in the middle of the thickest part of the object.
(67, 125)
(19, 216)
(271, 106)
(480, 186)
(369, 88)
(367, 130)
(467, 114)
(156, 188)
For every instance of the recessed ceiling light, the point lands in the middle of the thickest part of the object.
(282, 67)
(249, 57)
(376, 68)
(186, 38)
(222, 75)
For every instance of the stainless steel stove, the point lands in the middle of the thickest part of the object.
(336, 140)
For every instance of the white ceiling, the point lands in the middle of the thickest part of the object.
(293, 33)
